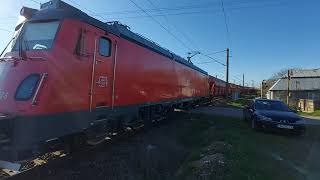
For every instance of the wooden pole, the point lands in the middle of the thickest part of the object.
(288, 90)
(227, 74)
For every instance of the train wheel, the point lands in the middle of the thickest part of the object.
(74, 143)
(98, 134)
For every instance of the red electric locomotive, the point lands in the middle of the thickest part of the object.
(66, 75)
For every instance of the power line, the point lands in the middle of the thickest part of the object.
(156, 9)
(162, 26)
(213, 59)
(38, 2)
(90, 11)
(171, 14)
(179, 8)
(237, 78)
(1, 29)
(226, 22)
(216, 52)
(191, 42)
(197, 12)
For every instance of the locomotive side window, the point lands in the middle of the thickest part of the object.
(80, 47)
(105, 47)
(27, 87)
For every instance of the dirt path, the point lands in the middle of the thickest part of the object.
(314, 162)
(220, 111)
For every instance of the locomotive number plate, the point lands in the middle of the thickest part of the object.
(102, 81)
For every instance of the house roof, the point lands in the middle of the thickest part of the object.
(306, 73)
(297, 84)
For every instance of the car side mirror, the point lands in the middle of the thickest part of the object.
(249, 108)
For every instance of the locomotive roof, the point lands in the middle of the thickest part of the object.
(57, 9)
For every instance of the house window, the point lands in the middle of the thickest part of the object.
(104, 47)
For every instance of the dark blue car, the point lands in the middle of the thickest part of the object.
(273, 114)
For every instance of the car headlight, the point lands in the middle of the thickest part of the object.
(264, 118)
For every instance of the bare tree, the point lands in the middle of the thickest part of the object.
(282, 73)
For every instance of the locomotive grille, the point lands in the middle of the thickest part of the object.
(4, 137)
(4, 129)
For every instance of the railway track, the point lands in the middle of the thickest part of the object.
(54, 159)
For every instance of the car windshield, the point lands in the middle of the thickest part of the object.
(271, 105)
(37, 36)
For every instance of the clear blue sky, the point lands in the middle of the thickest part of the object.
(265, 35)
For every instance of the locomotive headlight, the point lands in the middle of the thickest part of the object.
(27, 12)
(3, 115)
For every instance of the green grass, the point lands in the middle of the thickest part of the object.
(241, 102)
(315, 113)
(253, 155)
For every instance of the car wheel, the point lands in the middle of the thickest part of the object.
(300, 132)
(244, 118)
(254, 125)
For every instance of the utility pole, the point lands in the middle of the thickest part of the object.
(261, 90)
(288, 91)
(242, 80)
(227, 74)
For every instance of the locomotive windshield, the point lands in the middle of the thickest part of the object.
(33, 36)
(38, 36)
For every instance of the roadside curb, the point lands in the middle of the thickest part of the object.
(311, 117)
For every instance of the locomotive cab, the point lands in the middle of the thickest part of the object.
(23, 74)
(24, 64)
(55, 77)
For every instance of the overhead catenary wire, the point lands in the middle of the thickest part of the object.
(37, 2)
(162, 26)
(217, 52)
(194, 12)
(89, 10)
(1, 29)
(187, 38)
(226, 23)
(213, 59)
(189, 7)
(156, 10)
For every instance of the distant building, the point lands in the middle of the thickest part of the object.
(304, 84)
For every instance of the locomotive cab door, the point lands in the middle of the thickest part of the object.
(103, 69)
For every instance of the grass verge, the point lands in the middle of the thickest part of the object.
(314, 114)
(244, 153)
(241, 102)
